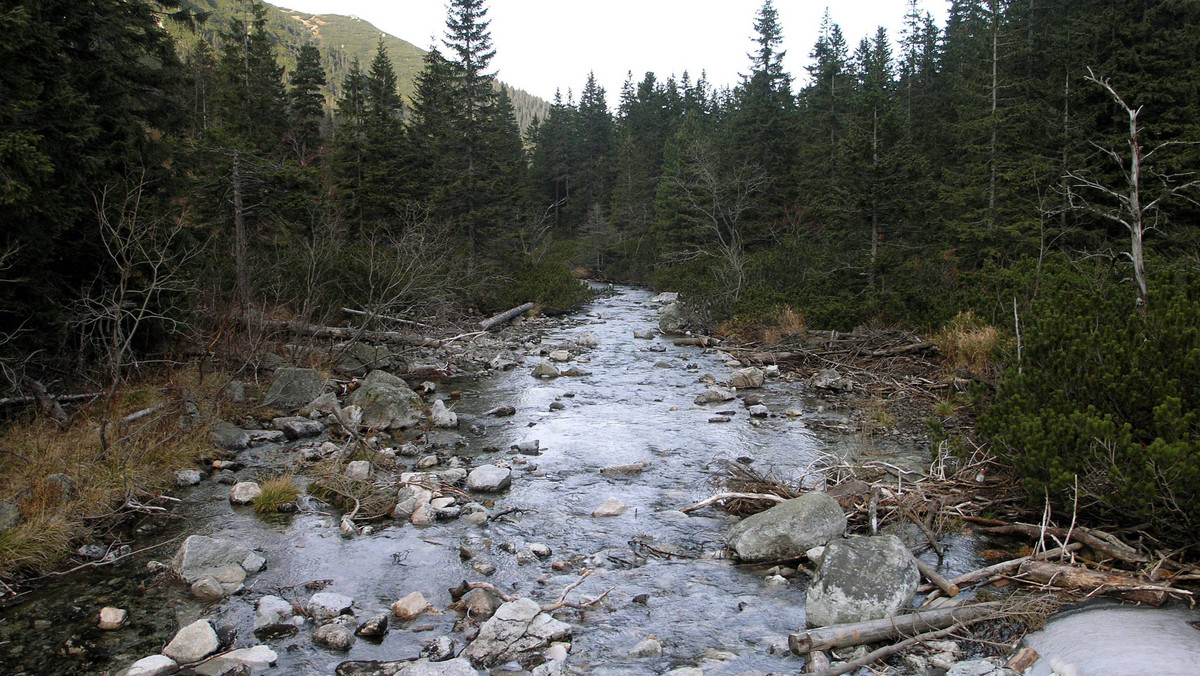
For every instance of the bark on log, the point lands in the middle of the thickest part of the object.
(397, 320)
(904, 349)
(817, 662)
(769, 357)
(46, 404)
(732, 496)
(873, 631)
(1098, 540)
(948, 588)
(1003, 567)
(1022, 660)
(698, 341)
(504, 317)
(889, 650)
(17, 401)
(1095, 582)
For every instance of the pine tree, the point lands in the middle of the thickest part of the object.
(251, 101)
(306, 103)
(349, 144)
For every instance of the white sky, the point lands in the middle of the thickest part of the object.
(542, 45)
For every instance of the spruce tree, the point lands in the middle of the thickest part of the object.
(306, 103)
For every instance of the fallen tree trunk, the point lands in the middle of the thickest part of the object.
(397, 320)
(904, 349)
(1095, 582)
(889, 650)
(948, 588)
(1098, 540)
(505, 317)
(998, 569)
(698, 341)
(340, 333)
(732, 496)
(873, 631)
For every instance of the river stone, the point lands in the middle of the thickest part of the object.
(328, 605)
(154, 665)
(272, 611)
(112, 618)
(358, 470)
(860, 579)
(517, 631)
(193, 643)
(373, 627)
(183, 479)
(439, 649)
(644, 334)
(501, 411)
(440, 416)
(715, 395)
(292, 388)
(334, 636)
(671, 318)
(489, 479)
(200, 555)
(386, 402)
(986, 668)
(229, 436)
(208, 589)
(255, 657)
(422, 667)
(480, 604)
(829, 379)
(576, 372)
(759, 411)
(649, 647)
(410, 607)
(610, 507)
(359, 359)
(244, 492)
(748, 378)
(296, 427)
(623, 470)
(788, 529)
(545, 370)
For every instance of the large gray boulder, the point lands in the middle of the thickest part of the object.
(518, 631)
(359, 359)
(423, 667)
(672, 319)
(387, 402)
(489, 479)
(193, 643)
(229, 436)
(860, 579)
(292, 388)
(748, 378)
(201, 556)
(788, 529)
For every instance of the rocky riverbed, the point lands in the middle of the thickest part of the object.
(554, 473)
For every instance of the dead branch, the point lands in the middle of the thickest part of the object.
(396, 320)
(1100, 541)
(874, 631)
(948, 588)
(887, 651)
(1094, 582)
(732, 496)
(505, 317)
(996, 570)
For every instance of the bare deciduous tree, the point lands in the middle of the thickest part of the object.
(144, 267)
(1124, 204)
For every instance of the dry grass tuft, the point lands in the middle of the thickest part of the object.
(969, 342)
(276, 492)
(773, 328)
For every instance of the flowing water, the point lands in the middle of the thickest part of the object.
(665, 569)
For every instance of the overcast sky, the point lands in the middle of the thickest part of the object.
(543, 45)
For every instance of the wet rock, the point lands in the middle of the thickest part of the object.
(501, 411)
(525, 557)
(477, 518)
(193, 643)
(292, 388)
(423, 516)
(829, 379)
(271, 612)
(759, 411)
(334, 636)
(183, 479)
(649, 647)
(440, 416)
(200, 555)
(428, 462)
(557, 406)
(788, 529)
(266, 437)
(610, 507)
(296, 427)
(719, 419)
(479, 604)
(253, 562)
(545, 370)
(623, 470)
(373, 627)
(92, 552)
(748, 378)
(518, 630)
(539, 549)
(358, 470)
(439, 649)
(715, 395)
(410, 499)
(208, 589)
(154, 665)
(411, 607)
(489, 479)
(860, 579)
(671, 318)
(530, 447)
(386, 402)
(576, 372)
(358, 359)
(229, 436)
(112, 618)
(644, 334)
(253, 658)
(986, 667)
(560, 356)
(244, 493)
(328, 605)
(793, 413)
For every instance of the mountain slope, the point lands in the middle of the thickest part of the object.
(341, 39)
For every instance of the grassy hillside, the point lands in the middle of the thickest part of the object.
(341, 39)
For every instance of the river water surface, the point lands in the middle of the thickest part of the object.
(666, 570)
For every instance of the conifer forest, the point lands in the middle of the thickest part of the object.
(170, 172)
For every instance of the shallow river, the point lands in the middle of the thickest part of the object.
(635, 407)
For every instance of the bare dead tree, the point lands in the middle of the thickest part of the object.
(719, 199)
(1125, 204)
(10, 368)
(145, 266)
